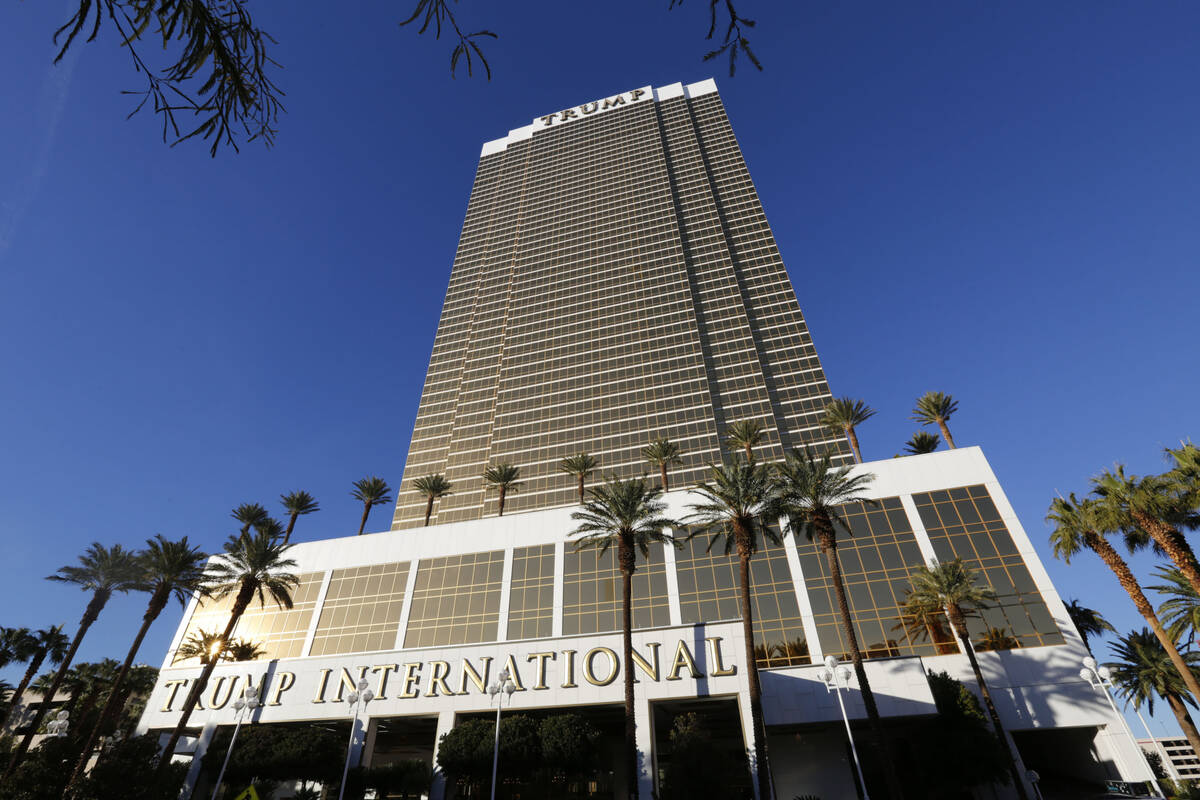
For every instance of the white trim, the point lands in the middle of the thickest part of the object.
(807, 618)
(924, 543)
(673, 602)
(505, 595)
(316, 617)
(410, 586)
(556, 602)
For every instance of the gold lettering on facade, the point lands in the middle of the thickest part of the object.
(683, 658)
(588, 664)
(437, 678)
(412, 677)
(594, 108)
(349, 682)
(470, 672)
(719, 670)
(644, 665)
(613, 102)
(569, 669)
(214, 697)
(319, 697)
(513, 674)
(548, 119)
(635, 94)
(283, 682)
(566, 115)
(384, 670)
(172, 687)
(542, 658)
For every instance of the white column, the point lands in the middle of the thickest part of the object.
(409, 586)
(676, 615)
(444, 725)
(647, 768)
(202, 743)
(806, 612)
(924, 544)
(505, 595)
(316, 617)
(560, 563)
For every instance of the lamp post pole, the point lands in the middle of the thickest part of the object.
(1100, 679)
(363, 695)
(247, 705)
(503, 684)
(834, 676)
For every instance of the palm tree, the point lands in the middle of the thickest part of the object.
(923, 621)
(170, 569)
(1088, 621)
(954, 587)
(745, 434)
(580, 465)
(936, 408)
(1146, 510)
(1181, 613)
(845, 414)
(46, 644)
(810, 494)
(101, 571)
(922, 442)
(249, 515)
(252, 565)
(503, 477)
(297, 504)
(997, 638)
(630, 516)
(433, 487)
(244, 650)
(1081, 525)
(1144, 669)
(371, 492)
(203, 645)
(737, 505)
(662, 453)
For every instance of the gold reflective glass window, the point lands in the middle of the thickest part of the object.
(592, 591)
(530, 605)
(362, 609)
(456, 600)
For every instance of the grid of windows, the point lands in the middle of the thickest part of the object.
(615, 282)
(592, 591)
(964, 523)
(361, 610)
(531, 593)
(456, 600)
(876, 555)
(279, 632)
(709, 592)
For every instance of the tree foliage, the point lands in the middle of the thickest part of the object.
(279, 753)
(696, 766)
(558, 744)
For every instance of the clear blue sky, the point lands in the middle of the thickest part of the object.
(996, 202)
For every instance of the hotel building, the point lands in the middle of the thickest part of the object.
(616, 282)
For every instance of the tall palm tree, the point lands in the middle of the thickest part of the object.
(170, 569)
(662, 453)
(811, 493)
(1088, 621)
(744, 434)
(630, 516)
(1082, 525)
(202, 645)
(14, 642)
(504, 478)
(1180, 613)
(101, 571)
(935, 408)
(1184, 476)
(1144, 670)
(922, 442)
(249, 515)
(296, 505)
(737, 504)
(1147, 510)
(48, 644)
(922, 620)
(580, 465)
(954, 587)
(371, 492)
(433, 487)
(244, 650)
(845, 414)
(252, 565)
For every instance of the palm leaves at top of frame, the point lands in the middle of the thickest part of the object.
(745, 435)
(843, 416)
(922, 442)
(936, 408)
(296, 505)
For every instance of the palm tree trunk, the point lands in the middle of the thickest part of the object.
(581, 477)
(749, 453)
(362, 525)
(628, 563)
(958, 623)
(853, 437)
(158, 601)
(1174, 545)
(287, 535)
(428, 510)
(94, 607)
(946, 433)
(828, 543)
(503, 491)
(239, 607)
(763, 767)
(663, 468)
(1184, 718)
(34, 666)
(1130, 584)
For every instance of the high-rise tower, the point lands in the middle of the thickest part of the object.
(616, 282)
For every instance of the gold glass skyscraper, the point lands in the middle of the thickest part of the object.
(616, 282)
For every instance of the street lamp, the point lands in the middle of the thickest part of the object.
(835, 677)
(58, 726)
(243, 707)
(1100, 679)
(503, 683)
(357, 700)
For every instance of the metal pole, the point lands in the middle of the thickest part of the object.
(228, 752)
(1162, 751)
(837, 689)
(496, 746)
(349, 750)
(1128, 732)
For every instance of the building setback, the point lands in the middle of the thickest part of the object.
(616, 282)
